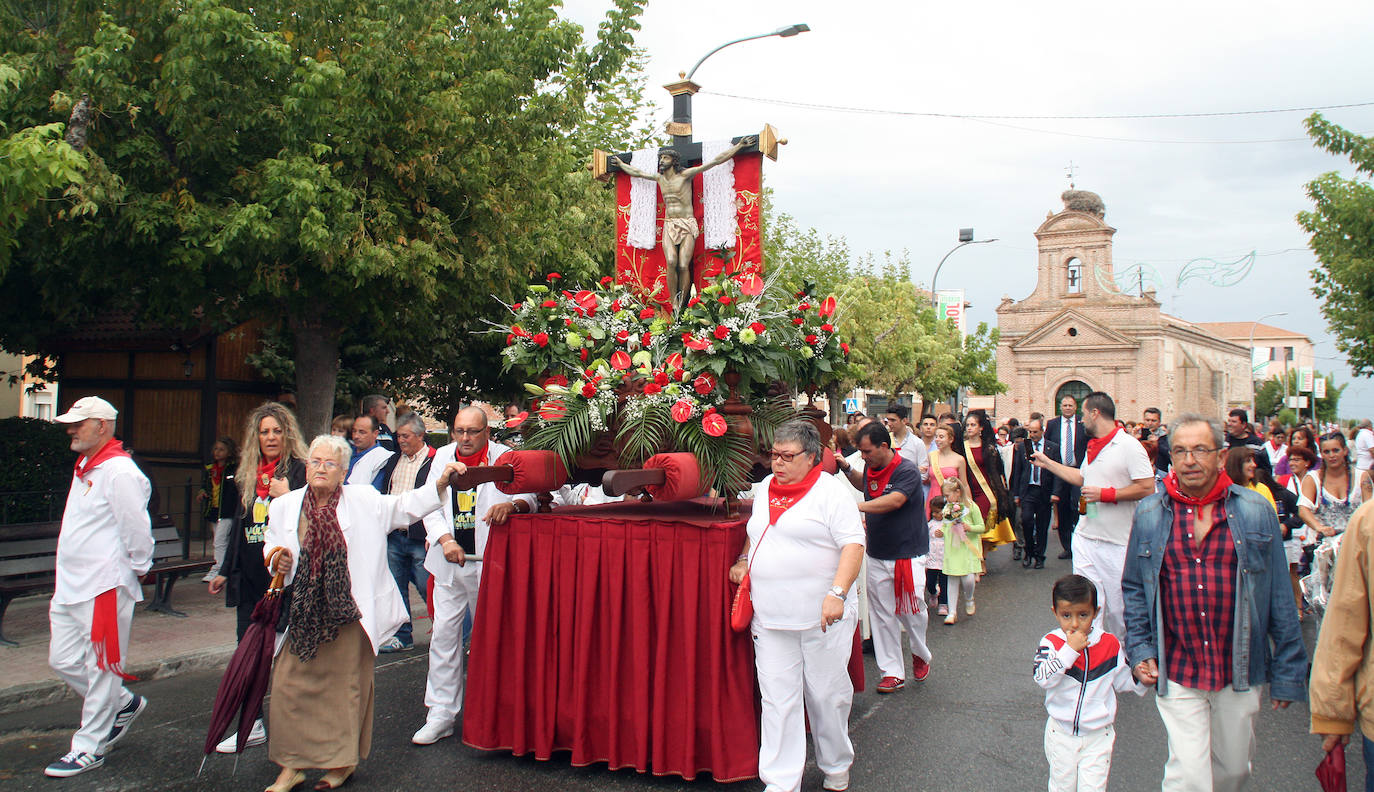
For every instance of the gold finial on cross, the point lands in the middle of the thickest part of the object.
(1070, 171)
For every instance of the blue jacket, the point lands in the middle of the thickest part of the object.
(1264, 612)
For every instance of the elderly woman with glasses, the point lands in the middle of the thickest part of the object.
(802, 554)
(329, 540)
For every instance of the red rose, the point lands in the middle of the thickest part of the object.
(646, 339)
(797, 320)
(713, 424)
(589, 374)
(750, 284)
(582, 354)
(679, 375)
(620, 360)
(556, 379)
(567, 294)
(725, 299)
(553, 276)
(660, 377)
(758, 327)
(722, 332)
(827, 327)
(811, 338)
(804, 306)
(652, 388)
(542, 339)
(517, 306)
(681, 410)
(694, 302)
(511, 423)
(698, 344)
(622, 336)
(827, 307)
(549, 304)
(615, 306)
(589, 390)
(844, 347)
(646, 314)
(704, 383)
(510, 339)
(567, 322)
(606, 281)
(675, 360)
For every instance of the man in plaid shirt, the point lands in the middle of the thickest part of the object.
(1209, 614)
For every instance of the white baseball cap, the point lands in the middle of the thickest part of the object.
(89, 407)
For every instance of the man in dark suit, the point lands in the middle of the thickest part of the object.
(1032, 488)
(1067, 431)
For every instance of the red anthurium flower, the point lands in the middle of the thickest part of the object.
(704, 383)
(750, 284)
(607, 281)
(844, 347)
(646, 314)
(551, 410)
(567, 322)
(589, 390)
(510, 339)
(713, 424)
(827, 327)
(698, 344)
(511, 423)
(542, 339)
(725, 299)
(722, 332)
(519, 331)
(797, 320)
(810, 338)
(553, 276)
(582, 354)
(587, 300)
(549, 304)
(567, 294)
(694, 302)
(652, 388)
(622, 336)
(620, 360)
(644, 340)
(556, 379)
(758, 327)
(827, 307)
(517, 306)
(681, 410)
(660, 377)
(675, 360)
(679, 375)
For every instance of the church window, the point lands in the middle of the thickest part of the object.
(1075, 275)
(1073, 332)
(1078, 389)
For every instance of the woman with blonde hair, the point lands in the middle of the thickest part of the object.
(272, 464)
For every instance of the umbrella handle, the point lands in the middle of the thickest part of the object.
(278, 580)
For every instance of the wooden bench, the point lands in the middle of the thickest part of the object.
(28, 563)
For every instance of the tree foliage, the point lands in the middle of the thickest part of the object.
(1342, 227)
(358, 171)
(1269, 397)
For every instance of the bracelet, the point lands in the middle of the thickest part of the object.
(1108, 495)
(450, 539)
(742, 557)
(837, 592)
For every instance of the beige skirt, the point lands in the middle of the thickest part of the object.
(321, 714)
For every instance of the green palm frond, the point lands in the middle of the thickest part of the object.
(643, 438)
(768, 415)
(569, 436)
(725, 460)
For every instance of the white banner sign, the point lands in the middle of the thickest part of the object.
(949, 304)
(1319, 388)
(1305, 379)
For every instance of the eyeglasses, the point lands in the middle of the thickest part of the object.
(784, 455)
(468, 432)
(328, 464)
(1191, 453)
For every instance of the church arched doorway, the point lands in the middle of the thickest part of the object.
(1078, 389)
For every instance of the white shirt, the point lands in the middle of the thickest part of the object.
(365, 469)
(1067, 427)
(1275, 454)
(440, 521)
(914, 448)
(106, 539)
(1121, 462)
(794, 565)
(1364, 449)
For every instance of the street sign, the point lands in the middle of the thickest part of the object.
(1297, 402)
(949, 304)
(1319, 388)
(1305, 379)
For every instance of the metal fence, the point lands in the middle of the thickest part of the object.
(172, 504)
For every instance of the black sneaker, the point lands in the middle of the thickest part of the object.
(74, 763)
(122, 720)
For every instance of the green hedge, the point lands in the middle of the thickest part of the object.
(37, 458)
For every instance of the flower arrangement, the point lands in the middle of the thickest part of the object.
(605, 359)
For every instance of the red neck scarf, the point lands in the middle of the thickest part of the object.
(105, 632)
(217, 473)
(266, 470)
(477, 459)
(112, 448)
(1214, 494)
(1096, 444)
(782, 497)
(876, 480)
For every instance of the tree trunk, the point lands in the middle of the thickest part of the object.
(317, 373)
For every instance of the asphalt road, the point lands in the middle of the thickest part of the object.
(975, 724)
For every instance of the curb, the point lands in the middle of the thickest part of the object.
(37, 694)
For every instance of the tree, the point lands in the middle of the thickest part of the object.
(1342, 228)
(1269, 397)
(339, 165)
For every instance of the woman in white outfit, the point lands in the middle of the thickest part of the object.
(803, 552)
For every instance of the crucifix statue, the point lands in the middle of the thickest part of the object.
(680, 230)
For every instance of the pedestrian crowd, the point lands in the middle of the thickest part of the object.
(1195, 547)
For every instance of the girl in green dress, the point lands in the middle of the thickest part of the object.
(961, 525)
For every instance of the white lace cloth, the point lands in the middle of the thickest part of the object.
(643, 201)
(718, 197)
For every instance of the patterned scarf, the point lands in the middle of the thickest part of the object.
(323, 598)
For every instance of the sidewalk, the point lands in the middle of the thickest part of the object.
(160, 645)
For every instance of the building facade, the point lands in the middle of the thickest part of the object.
(1273, 350)
(1077, 333)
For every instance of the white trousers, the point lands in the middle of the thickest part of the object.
(72, 656)
(222, 529)
(887, 625)
(444, 684)
(1211, 738)
(1078, 763)
(956, 583)
(1102, 563)
(810, 669)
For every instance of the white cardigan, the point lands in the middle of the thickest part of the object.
(365, 517)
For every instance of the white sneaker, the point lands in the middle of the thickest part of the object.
(837, 782)
(969, 609)
(256, 737)
(432, 732)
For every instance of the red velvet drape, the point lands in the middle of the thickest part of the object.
(603, 630)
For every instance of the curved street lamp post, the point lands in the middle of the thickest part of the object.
(965, 238)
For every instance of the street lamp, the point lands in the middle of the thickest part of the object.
(1251, 348)
(683, 89)
(965, 238)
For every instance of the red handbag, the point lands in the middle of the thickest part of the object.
(742, 607)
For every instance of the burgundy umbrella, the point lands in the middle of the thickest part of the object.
(1331, 771)
(245, 679)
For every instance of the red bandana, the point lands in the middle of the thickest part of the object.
(105, 633)
(476, 460)
(1214, 494)
(782, 497)
(875, 481)
(265, 472)
(1095, 444)
(112, 448)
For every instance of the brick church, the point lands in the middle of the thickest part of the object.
(1077, 333)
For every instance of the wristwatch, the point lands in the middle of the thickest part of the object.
(837, 592)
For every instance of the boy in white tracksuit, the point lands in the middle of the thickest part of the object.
(1081, 669)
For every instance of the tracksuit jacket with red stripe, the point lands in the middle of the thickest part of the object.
(1081, 688)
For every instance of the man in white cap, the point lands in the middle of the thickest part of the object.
(105, 545)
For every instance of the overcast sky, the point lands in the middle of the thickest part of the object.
(893, 182)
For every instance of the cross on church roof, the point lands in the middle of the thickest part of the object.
(1070, 171)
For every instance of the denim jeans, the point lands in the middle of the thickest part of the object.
(1368, 765)
(406, 559)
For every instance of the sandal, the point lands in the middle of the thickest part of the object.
(325, 782)
(296, 780)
